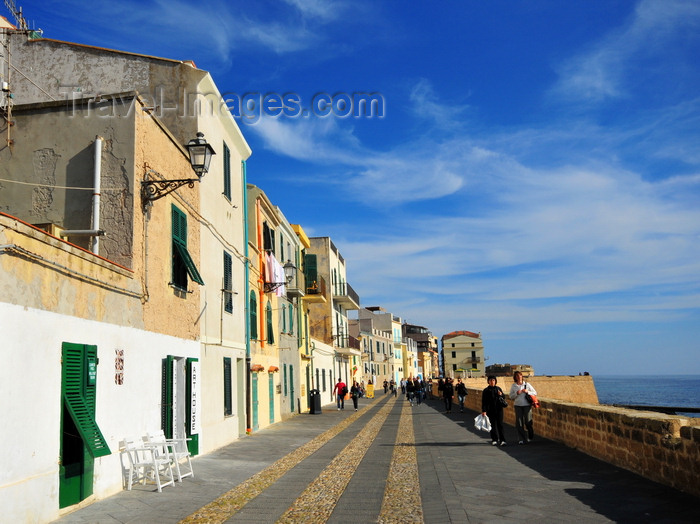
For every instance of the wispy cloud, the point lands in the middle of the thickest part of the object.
(600, 72)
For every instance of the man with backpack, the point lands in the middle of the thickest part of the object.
(340, 390)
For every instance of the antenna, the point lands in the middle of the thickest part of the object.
(17, 14)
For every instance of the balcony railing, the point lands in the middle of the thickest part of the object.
(297, 284)
(346, 295)
(315, 290)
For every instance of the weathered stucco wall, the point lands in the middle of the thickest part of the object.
(56, 171)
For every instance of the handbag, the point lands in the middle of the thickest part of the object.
(502, 401)
(532, 399)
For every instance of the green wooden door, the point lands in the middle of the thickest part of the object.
(271, 389)
(81, 438)
(291, 388)
(254, 392)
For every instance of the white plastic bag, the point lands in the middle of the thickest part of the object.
(483, 423)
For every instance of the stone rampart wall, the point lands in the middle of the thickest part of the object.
(663, 448)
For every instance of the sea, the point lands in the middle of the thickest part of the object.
(650, 390)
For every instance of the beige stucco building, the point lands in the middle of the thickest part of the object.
(463, 354)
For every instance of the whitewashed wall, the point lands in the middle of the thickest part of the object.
(30, 377)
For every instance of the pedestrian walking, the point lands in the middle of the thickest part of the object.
(386, 386)
(523, 408)
(410, 391)
(492, 407)
(418, 384)
(448, 392)
(340, 390)
(355, 393)
(461, 390)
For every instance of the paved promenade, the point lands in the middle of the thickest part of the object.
(389, 462)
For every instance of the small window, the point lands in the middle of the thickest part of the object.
(253, 316)
(270, 331)
(228, 284)
(454, 354)
(227, 172)
(228, 397)
(454, 367)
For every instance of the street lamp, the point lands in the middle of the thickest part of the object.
(200, 157)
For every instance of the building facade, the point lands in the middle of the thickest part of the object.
(463, 354)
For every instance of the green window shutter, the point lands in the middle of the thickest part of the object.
(227, 172)
(180, 253)
(284, 318)
(291, 319)
(79, 398)
(284, 367)
(310, 271)
(166, 401)
(270, 332)
(189, 264)
(253, 316)
(228, 284)
(179, 220)
(228, 403)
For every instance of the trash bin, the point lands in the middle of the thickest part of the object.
(315, 401)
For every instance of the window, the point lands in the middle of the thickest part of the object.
(182, 263)
(454, 354)
(281, 247)
(472, 344)
(268, 317)
(291, 318)
(284, 318)
(228, 398)
(268, 238)
(284, 367)
(323, 378)
(454, 367)
(227, 172)
(253, 316)
(228, 284)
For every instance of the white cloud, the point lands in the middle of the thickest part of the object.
(600, 73)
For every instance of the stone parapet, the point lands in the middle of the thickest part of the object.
(660, 447)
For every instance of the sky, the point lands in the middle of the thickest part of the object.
(532, 172)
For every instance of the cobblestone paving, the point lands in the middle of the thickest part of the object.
(402, 501)
(231, 502)
(318, 500)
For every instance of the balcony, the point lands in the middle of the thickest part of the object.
(297, 284)
(346, 296)
(315, 290)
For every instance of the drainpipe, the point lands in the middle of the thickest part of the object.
(97, 175)
(95, 232)
(248, 414)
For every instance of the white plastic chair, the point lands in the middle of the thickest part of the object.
(145, 464)
(176, 448)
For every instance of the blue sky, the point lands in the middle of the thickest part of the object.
(535, 176)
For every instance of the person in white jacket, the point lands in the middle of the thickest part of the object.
(523, 409)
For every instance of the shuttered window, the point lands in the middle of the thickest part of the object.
(253, 316)
(228, 284)
(227, 172)
(228, 397)
(79, 392)
(182, 264)
(270, 331)
(310, 272)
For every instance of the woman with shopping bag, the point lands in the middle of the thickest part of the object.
(492, 404)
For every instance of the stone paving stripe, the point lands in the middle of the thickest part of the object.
(222, 508)
(318, 500)
(402, 500)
